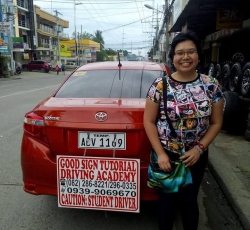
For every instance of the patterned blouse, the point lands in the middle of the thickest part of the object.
(189, 106)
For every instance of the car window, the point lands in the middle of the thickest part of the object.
(108, 84)
(148, 78)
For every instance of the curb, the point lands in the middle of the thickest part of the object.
(234, 190)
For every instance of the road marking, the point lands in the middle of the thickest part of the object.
(17, 93)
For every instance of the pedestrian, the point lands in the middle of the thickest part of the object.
(57, 69)
(63, 69)
(195, 109)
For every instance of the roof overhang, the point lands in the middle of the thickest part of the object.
(200, 15)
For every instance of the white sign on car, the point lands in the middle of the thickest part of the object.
(98, 183)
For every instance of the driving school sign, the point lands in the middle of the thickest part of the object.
(98, 183)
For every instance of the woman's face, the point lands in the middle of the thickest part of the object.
(186, 62)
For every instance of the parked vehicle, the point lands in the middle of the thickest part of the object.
(18, 68)
(71, 65)
(38, 65)
(97, 100)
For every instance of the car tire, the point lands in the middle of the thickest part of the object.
(247, 135)
(25, 69)
(231, 112)
(211, 69)
(217, 73)
(245, 83)
(225, 75)
(42, 70)
(234, 80)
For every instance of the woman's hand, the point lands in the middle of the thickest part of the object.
(164, 162)
(190, 157)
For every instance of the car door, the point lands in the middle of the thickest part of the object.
(32, 65)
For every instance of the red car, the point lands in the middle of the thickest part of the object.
(97, 99)
(39, 65)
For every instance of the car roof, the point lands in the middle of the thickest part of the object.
(126, 65)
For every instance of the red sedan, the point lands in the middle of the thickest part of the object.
(96, 104)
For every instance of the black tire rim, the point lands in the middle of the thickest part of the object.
(234, 80)
(246, 81)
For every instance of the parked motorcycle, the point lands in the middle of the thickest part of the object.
(18, 70)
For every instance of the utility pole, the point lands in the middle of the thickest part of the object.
(58, 41)
(122, 42)
(166, 19)
(10, 11)
(82, 44)
(76, 48)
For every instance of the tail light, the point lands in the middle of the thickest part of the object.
(34, 125)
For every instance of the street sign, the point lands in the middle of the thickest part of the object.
(5, 27)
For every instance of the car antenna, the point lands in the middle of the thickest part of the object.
(119, 64)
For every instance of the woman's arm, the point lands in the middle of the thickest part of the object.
(216, 119)
(150, 115)
(215, 124)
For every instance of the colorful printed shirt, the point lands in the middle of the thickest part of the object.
(189, 106)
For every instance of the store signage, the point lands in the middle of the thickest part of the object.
(229, 19)
(220, 34)
(5, 27)
(98, 183)
(4, 47)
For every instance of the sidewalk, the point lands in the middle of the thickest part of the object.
(229, 163)
(31, 73)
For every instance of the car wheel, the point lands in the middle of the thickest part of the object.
(225, 75)
(47, 71)
(217, 72)
(245, 83)
(231, 112)
(235, 77)
(25, 68)
(211, 69)
(42, 70)
(247, 135)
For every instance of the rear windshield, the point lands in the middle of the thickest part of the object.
(108, 84)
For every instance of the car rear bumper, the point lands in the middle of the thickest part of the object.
(40, 175)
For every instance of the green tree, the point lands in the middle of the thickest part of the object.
(125, 52)
(84, 35)
(101, 56)
(150, 53)
(110, 52)
(98, 38)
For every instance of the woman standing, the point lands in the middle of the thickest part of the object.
(57, 69)
(197, 98)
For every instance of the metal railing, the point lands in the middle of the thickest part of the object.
(23, 23)
(22, 4)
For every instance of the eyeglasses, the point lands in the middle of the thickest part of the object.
(181, 53)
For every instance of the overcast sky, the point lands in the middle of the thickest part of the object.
(124, 23)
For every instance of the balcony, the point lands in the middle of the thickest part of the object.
(64, 36)
(22, 23)
(22, 4)
(46, 29)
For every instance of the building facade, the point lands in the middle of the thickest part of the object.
(38, 35)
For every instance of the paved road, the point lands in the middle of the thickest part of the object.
(23, 211)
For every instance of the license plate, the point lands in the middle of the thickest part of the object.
(101, 140)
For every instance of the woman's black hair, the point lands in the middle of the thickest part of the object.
(185, 36)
